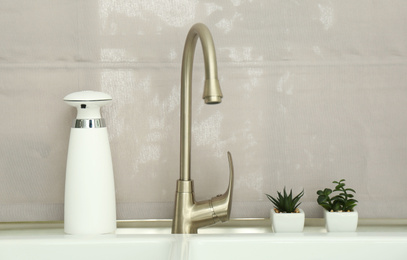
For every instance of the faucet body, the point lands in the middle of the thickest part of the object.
(190, 215)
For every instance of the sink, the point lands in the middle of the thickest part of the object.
(374, 240)
(316, 246)
(80, 248)
(46, 241)
(236, 239)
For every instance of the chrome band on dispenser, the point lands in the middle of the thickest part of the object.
(89, 123)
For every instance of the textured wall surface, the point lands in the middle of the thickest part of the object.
(314, 91)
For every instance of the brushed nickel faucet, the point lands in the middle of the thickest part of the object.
(189, 215)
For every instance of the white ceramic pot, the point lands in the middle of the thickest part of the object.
(287, 222)
(341, 221)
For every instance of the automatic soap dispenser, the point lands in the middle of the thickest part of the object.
(90, 204)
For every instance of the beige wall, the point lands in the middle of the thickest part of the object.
(314, 91)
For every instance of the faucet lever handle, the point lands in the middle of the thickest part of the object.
(222, 204)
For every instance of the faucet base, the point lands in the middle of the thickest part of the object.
(189, 215)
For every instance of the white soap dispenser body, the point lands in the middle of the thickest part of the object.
(90, 204)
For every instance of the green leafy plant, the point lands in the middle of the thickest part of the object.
(286, 203)
(342, 202)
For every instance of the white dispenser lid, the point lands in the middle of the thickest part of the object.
(87, 96)
(88, 103)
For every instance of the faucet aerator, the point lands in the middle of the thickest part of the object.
(212, 93)
(213, 100)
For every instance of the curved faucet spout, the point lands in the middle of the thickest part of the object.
(189, 214)
(211, 94)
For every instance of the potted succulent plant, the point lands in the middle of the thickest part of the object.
(339, 213)
(286, 216)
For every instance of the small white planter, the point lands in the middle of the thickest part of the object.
(287, 222)
(341, 221)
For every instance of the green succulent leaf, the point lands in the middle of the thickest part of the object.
(338, 197)
(321, 199)
(339, 186)
(327, 192)
(337, 205)
(273, 200)
(326, 206)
